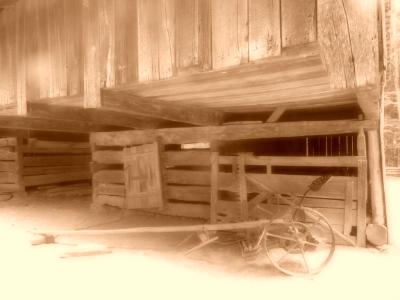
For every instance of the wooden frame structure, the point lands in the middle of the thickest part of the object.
(190, 176)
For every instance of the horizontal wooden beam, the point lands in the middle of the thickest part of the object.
(127, 102)
(30, 123)
(230, 132)
(93, 115)
(4, 3)
(46, 135)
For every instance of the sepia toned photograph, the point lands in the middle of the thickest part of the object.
(199, 149)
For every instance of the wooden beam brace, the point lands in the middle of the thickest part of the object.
(368, 100)
(128, 102)
(230, 132)
(276, 114)
(29, 123)
(92, 115)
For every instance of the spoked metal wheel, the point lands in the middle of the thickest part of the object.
(301, 248)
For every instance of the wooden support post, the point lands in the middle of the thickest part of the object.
(241, 172)
(362, 190)
(95, 205)
(214, 186)
(348, 203)
(376, 232)
(20, 164)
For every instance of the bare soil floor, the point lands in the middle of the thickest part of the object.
(150, 266)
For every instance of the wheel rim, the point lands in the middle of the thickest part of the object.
(301, 248)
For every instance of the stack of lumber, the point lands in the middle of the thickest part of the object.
(10, 180)
(26, 163)
(53, 162)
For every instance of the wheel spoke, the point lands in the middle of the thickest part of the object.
(305, 261)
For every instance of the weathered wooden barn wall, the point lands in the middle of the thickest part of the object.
(348, 36)
(42, 38)
(391, 93)
(75, 47)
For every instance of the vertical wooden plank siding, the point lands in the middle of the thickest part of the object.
(229, 33)
(99, 49)
(91, 54)
(363, 30)
(57, 51)
(126, 42)
(167, 39)
(348, 38)
(299, 22)
(335, 43)
(45, 78)
(187, 33)
(73, 37)
(205, 34)
(32, 49)
(106, 16)
(264, 28)
(7, 57)
(155, 39)
(20, 54)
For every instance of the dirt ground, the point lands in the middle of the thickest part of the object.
(151, 266)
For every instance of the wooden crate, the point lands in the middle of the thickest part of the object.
(10, 165)
(26, 163)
